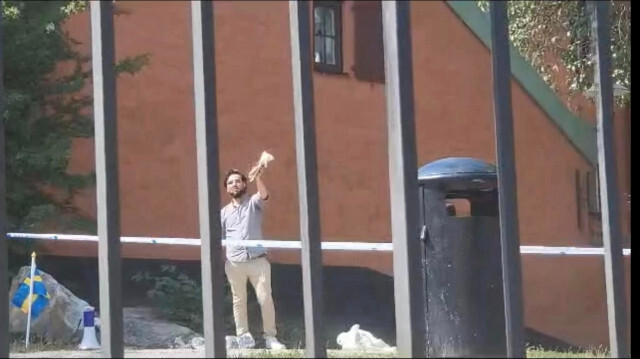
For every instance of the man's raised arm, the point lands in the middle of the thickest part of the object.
(262, 189)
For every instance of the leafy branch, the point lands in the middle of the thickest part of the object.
(44, 111)
(552, 33)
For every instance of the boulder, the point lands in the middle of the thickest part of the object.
(61, 319)
(144, 329)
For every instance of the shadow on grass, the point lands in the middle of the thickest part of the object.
(352, 295)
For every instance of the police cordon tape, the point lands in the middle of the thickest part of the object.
(296, 244)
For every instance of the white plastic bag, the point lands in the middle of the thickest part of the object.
(357, 338)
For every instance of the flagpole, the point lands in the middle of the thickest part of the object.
(33, 269)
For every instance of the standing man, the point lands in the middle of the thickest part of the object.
(242, 220)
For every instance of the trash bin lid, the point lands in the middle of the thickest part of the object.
(458, 174)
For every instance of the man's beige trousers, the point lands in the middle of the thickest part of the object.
(258, 272)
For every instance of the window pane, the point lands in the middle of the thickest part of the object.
(319, 49)
(318, 20)
(330, 50)
(329, 22)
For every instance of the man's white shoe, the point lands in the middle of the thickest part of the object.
(246, 341)
(273, 343)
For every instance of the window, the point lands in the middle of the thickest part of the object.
(593, 207)
(327, 36)
(593, 193)
(578, 199)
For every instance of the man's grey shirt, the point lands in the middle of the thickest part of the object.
(241, 223)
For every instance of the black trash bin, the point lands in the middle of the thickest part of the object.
(462, 261)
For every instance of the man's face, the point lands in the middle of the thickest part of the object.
(235, 187)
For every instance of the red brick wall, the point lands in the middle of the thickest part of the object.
(453, 97)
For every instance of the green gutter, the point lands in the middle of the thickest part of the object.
(581, 134)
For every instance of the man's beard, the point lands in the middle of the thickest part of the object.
(238, 194)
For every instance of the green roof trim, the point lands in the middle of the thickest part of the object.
(580, 134)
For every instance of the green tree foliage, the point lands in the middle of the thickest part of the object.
(546, 32)
(43, 112)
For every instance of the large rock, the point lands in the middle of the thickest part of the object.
(143, 328)
(62, 318)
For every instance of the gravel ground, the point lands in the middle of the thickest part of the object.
(199, 353)
(129, 353)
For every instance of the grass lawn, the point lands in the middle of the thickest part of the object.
(17, 347)
(352, 295)
(531, 353)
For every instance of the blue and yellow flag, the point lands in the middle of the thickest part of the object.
(39, 298)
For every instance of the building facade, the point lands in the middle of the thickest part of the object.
(557, 197)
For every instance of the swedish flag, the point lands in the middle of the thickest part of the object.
(39, 298)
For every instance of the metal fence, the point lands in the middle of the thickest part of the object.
(409, 293)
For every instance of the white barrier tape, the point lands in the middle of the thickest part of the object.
(295, 244)
(568, 250)
(292, 244)
(84, 237)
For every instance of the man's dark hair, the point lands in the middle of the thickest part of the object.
(233, 171)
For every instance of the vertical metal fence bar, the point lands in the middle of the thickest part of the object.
(507, 189)
(204, 82)
(611, 231)
(307, 178)
(409, 287)
(4, 259)
(106, 144)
